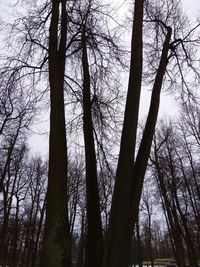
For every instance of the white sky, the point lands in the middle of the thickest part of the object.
(38, 142)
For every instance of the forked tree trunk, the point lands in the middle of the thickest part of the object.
(56, 247)
(118, 241)
(130, 176)
(147, 137)
(94, 236)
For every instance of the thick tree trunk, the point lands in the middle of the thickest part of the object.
(145, 145)
(56, 248)
(119, 234)
(130, 177)
(94, 235)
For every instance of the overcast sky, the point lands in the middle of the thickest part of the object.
(192, 6)
(168, 104)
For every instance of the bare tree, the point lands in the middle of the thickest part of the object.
(74, 37)
(174, 178)
(56, 249)
(130, 172)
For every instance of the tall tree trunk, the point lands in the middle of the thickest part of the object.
(94, 235)
(118, 240)
(147, 137)
(130, 176)
(56, 247)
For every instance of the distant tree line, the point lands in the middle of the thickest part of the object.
(168, 223)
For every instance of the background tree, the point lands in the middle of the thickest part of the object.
(171, 163)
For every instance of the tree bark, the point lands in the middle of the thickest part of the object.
(147, 137)
(56, 247)
(118, 241)
(94, 235)
(130, 176)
